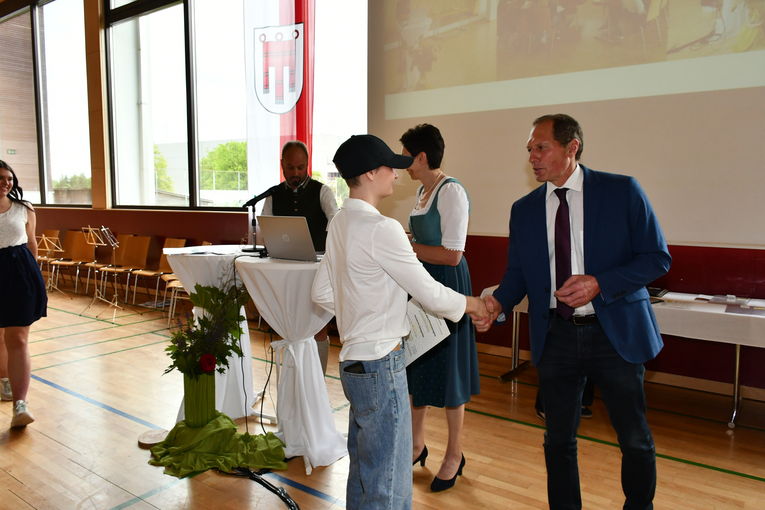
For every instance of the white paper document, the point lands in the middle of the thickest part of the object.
(426, 331)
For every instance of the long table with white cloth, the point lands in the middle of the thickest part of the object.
(726, 319)
(737, 321)
(281, 291)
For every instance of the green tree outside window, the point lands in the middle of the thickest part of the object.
(224, 167)
(163, 181)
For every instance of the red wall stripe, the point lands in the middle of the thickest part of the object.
(697, 269)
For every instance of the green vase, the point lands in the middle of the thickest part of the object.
(199, 399)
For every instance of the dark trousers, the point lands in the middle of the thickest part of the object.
(572, 354)
(588, 396)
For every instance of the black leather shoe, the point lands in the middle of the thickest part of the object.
(439, 485)
(422, 457)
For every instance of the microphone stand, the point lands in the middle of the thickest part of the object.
(250, 205)
(260, 250)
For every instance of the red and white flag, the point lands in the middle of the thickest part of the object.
(279, 67)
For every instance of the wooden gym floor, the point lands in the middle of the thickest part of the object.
(97, 385)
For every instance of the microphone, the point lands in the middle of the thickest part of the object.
(257, 198)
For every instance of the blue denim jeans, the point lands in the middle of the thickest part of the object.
(572, 354)
(379, 434)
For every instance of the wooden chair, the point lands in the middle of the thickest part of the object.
(77, 252)
(163, 269)
(115, 259)
(177, 291)
(132, 258)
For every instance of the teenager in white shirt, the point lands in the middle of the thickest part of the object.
(364, 278)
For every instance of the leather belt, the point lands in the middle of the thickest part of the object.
(583, 320)
(578, 320)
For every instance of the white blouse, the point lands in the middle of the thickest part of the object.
(454, 209)
(13, 226)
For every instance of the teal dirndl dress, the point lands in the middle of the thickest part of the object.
(447, 375)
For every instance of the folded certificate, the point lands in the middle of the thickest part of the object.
(426, 331)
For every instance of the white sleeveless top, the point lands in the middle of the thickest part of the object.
(13, 226)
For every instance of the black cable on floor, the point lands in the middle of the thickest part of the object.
(256, 477)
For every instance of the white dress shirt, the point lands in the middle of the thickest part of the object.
(575, 199)
(365, 276)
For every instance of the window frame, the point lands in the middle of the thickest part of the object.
(10, 9)
(132, 11)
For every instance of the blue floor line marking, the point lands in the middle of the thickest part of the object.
(145, 496)
(305, 488)
(287, 481)
(97, 403)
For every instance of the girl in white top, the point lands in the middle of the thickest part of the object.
(23, 299)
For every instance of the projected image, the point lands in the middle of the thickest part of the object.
(435, 43)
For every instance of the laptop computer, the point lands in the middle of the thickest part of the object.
(287, 237)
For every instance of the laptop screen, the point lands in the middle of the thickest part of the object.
(287, 237)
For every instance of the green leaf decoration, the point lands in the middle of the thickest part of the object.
(217, 331)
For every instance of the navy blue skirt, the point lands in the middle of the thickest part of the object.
(22, 290)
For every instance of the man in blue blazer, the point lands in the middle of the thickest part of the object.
(583, 254)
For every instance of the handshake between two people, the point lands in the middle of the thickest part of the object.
(482, 311)
(576, 291)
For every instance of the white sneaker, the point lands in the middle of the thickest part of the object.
(5, 389)
(21, 415)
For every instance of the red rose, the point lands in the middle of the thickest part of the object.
(207, 363)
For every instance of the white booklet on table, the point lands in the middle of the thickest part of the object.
(426, 331)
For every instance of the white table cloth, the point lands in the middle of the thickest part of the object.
(694, 316)
(281, 290)
(214, 265)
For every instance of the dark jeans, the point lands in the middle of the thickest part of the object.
(572, 354)
(588, 396)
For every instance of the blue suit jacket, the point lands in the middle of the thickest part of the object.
(624, 249)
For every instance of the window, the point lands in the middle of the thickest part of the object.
(221, 104)
(148, 98)
(183, 142)
(18, 126)
(340, 105)
(64, 102)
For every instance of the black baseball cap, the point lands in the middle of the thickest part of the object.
(361, 153)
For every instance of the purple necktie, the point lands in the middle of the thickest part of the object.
(562, 250)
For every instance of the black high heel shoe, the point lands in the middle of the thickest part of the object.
(422, 457)
(439, 485)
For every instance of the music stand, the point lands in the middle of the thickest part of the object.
(93, 236)
(50, 245)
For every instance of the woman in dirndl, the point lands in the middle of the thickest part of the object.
(447, 375)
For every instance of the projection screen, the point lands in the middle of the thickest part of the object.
(669, 91)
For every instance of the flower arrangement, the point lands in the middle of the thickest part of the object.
(203, 346)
